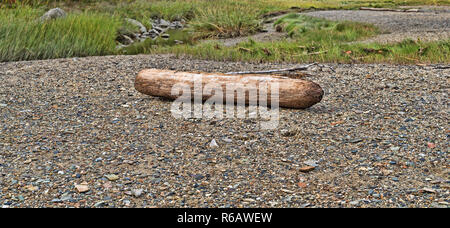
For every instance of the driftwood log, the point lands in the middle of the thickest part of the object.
(291, 93)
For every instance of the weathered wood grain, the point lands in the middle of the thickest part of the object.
(292, 93)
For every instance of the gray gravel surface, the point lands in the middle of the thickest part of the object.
(75, 133)
(429, 24)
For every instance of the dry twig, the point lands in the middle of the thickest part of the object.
(298, 68)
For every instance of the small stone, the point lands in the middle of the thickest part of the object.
(305, 205)
(287, 191)
(66, 197)
(82, 188)
(137, 192)
(395, 148)
(307, 169)
(163, 23)
(198, 176)
(127, 203)
(112, 177)
(156, 30)
(355, 140)
(288, 133)
(3, 105)
(101, 204)
(428, 190)
(129, 162)
(227, 140)
(31, 188)
(56, 201)
(302, 185)
(213, 144)
(311, 163)
(354, 203)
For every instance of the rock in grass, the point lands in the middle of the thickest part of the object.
(125, 40)
(165, 36)
(142, 28)
(53, 14)
(163, 23)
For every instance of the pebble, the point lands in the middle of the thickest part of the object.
(311, 163)
(227, 140)
(137, 192)
(395, 148)
(213, 144)
(101, 204)
(112, 177)
(66, 197)
(355, 203)
(307, 169)
(82, 188)
(428, 190)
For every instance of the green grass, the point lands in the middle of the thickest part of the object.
(302, 26)
(318, 40)
(23, 37)
(405, 52)
(232, 20)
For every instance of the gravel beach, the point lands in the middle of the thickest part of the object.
(75, 133)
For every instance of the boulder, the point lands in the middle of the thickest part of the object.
(142, 28)
(53, 14)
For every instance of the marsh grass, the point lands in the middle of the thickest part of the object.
(295, 52)
(229, 21)
(318, 40)
(93, 26)
(23, 37)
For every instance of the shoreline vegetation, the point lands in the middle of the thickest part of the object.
(91, 28)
